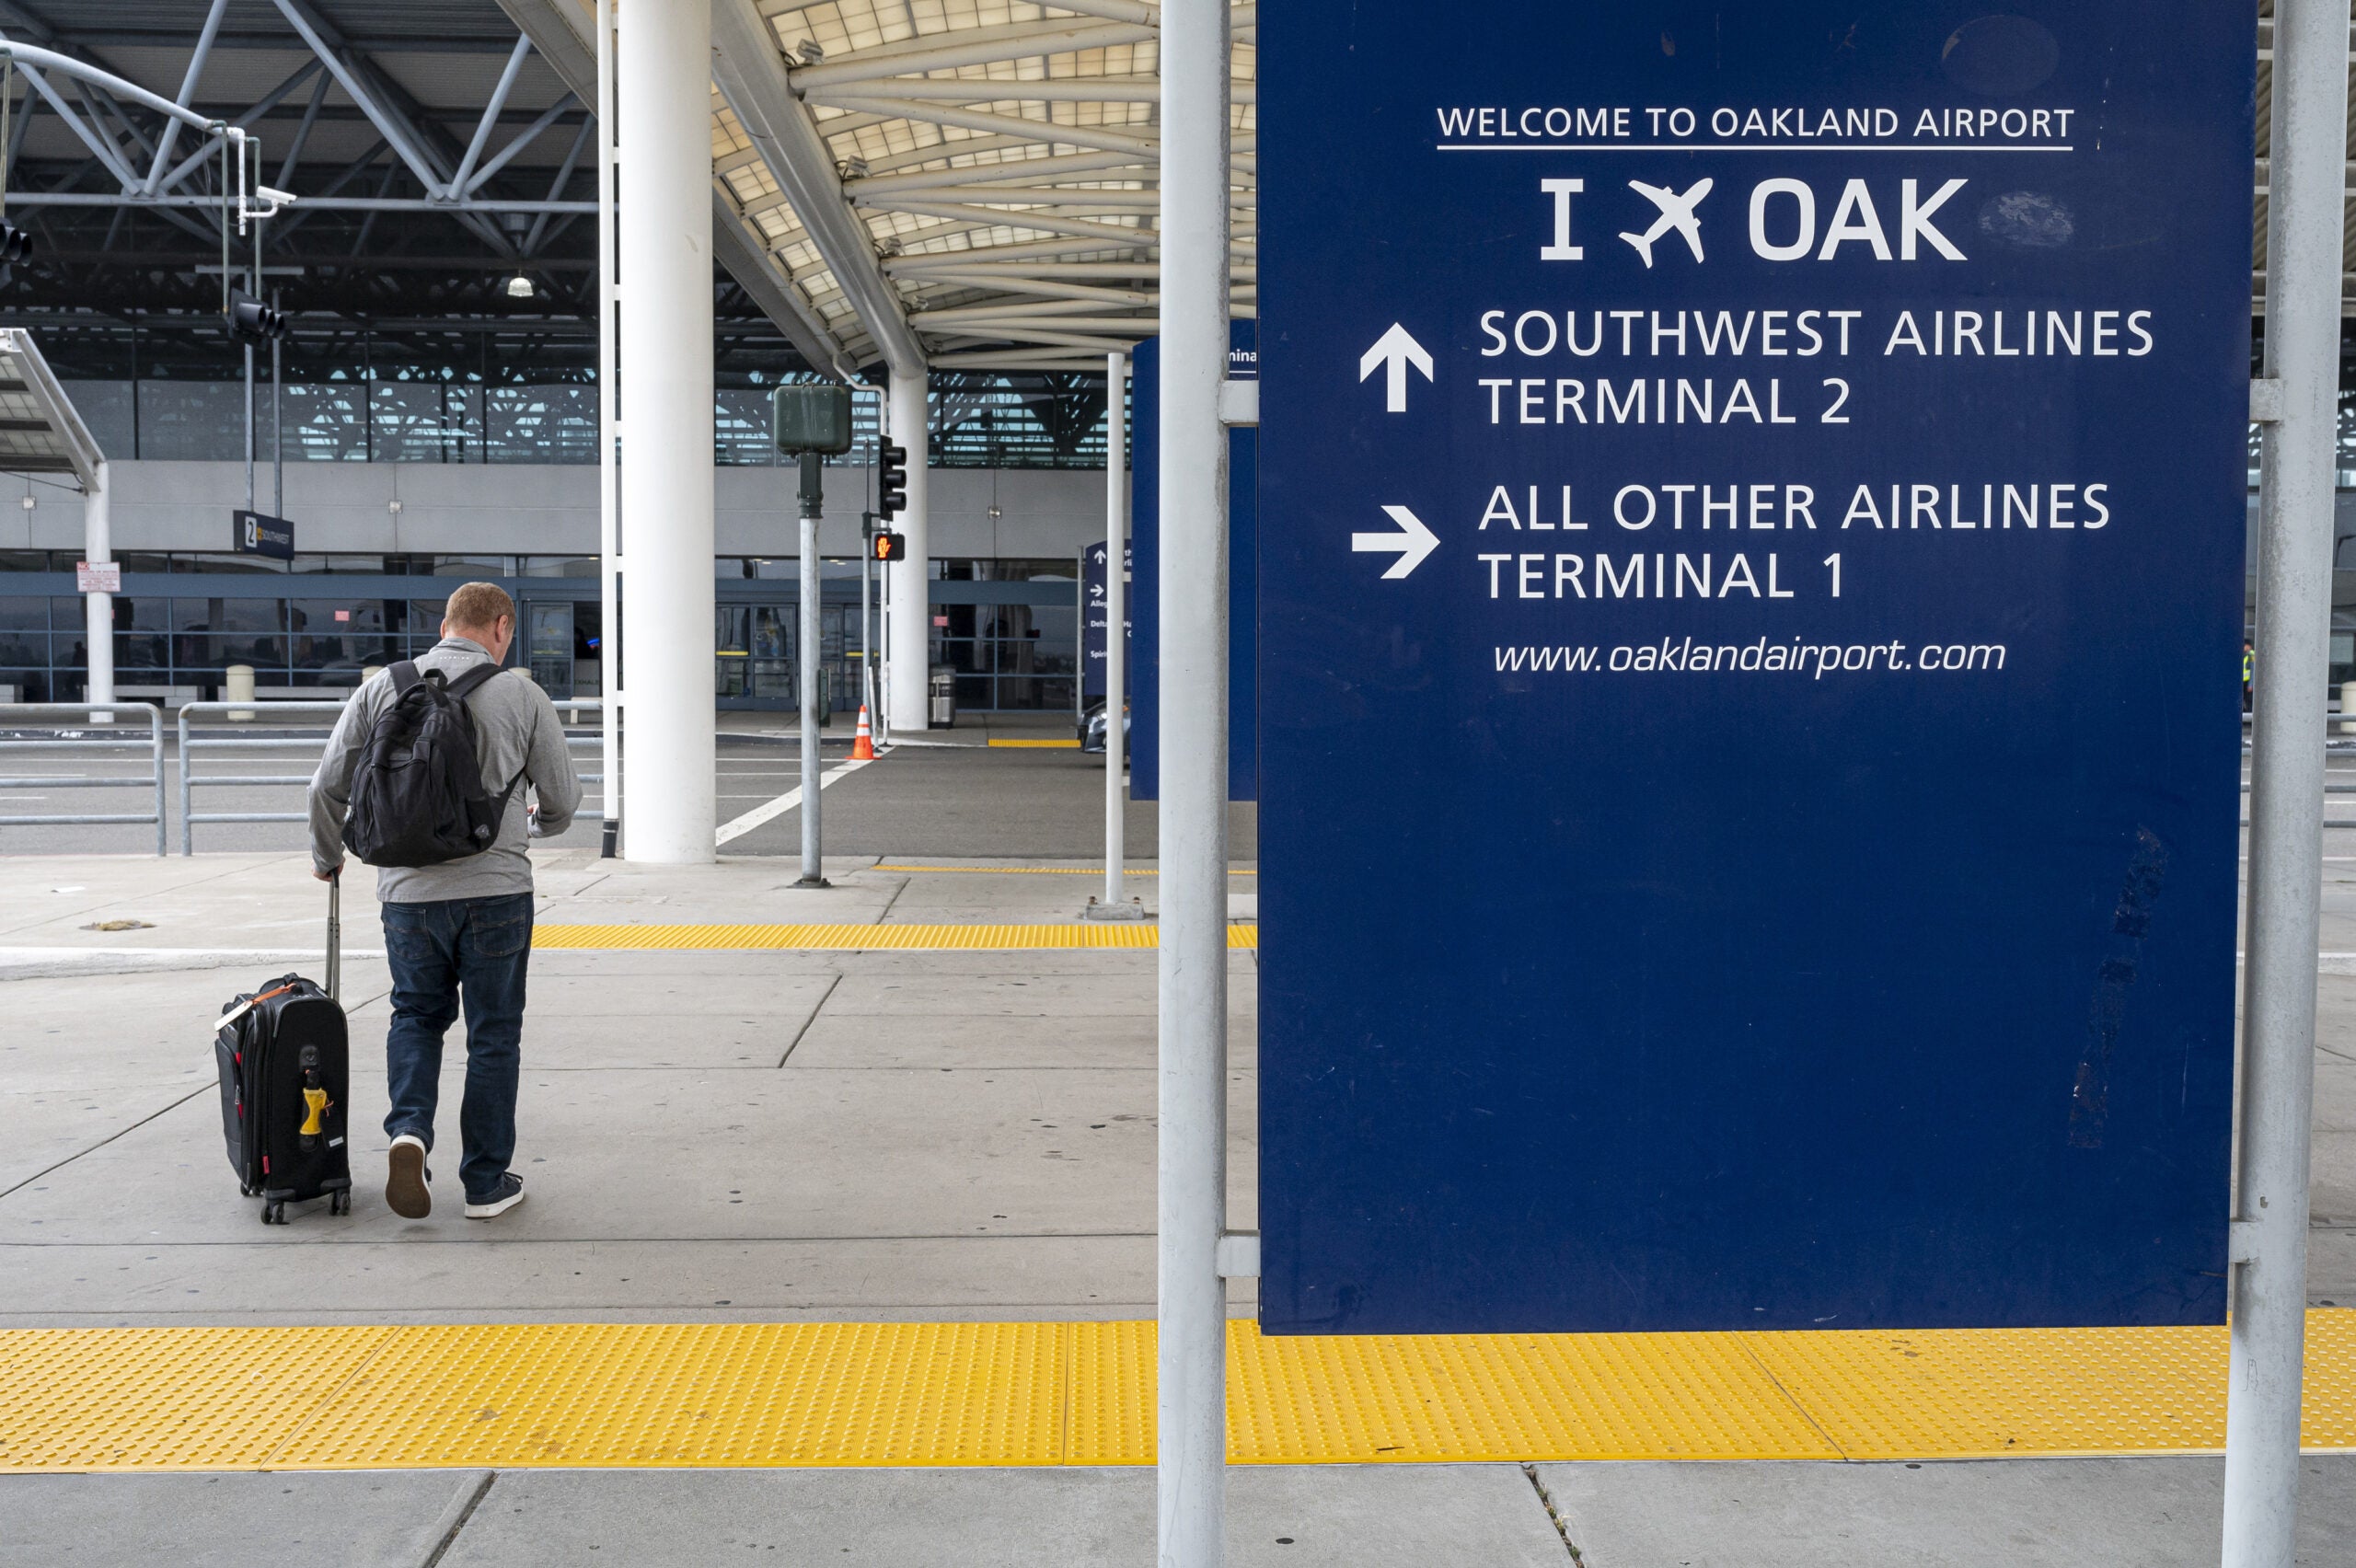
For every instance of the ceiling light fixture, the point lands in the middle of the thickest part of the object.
(519, 287)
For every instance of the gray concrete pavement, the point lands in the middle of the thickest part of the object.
(2029, 1512)
(2022, 1513)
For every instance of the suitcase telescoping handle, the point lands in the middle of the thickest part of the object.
(335, 934)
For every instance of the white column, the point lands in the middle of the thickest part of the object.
(663, 89)
(98, 548)
(1190, 1419)
(2304, 243)
(1116, 619)
(910, 652)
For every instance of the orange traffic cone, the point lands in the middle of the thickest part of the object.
(862, 747)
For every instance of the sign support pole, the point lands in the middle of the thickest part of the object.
(1190, 1415)
(1117, 618)
(807, 658)
(2277, 1098)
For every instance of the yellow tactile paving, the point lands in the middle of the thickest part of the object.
(758, 1394)
(1966, 1394)
(1969, 1395)
(722, 1395)
(1112, 1394)
(165, 1399)
(846, 938)
(1442, 1397)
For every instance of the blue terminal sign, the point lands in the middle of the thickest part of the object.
(1748, 647)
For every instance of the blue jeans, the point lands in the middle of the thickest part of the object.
(481, 947)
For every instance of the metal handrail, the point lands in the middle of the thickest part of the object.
(190, 744)
(54, 716)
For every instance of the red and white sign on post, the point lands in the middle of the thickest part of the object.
(106, 577)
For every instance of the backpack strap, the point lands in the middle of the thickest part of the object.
(466, 684)
(405, 675)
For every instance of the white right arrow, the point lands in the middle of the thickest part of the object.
(1395, 350)
(1413, 541)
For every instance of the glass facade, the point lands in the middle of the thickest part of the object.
(418, 414)
(183, 618)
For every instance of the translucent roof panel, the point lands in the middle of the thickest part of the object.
(1002, 160)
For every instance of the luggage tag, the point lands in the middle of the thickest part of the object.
(242, 1009)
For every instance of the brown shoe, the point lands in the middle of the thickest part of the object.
(405, 1191)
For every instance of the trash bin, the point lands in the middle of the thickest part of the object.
(941, 710)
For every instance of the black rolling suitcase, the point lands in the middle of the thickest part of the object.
(285, 1077)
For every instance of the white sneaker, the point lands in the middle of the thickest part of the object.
(405, 1190)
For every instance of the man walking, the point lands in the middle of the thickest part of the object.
(459, 927)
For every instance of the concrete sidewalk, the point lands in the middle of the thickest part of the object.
(2020, 1512)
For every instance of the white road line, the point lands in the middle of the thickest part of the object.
(771, 811)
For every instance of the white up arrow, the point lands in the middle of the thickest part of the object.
(1395, 351)
(1413, 541)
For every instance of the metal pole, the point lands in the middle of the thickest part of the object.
(1117, 620)
(608, 493)
(155, 744)
(2277, 1098)
(1191, 1426)
(814, 869)
(188, 790)
(866, 642)
(277, 430)
(662, 74)
(610, 618)
(253, 287)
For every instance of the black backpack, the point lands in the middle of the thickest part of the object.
(417, 794)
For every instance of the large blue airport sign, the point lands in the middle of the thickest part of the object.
(1750, 594)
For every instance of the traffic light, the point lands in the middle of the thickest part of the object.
(251, 321)
(892, 483)
(15, 244)
(887, 545)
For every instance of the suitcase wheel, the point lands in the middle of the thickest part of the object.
(244, 1191)
(340, 1203)
(273, 1214)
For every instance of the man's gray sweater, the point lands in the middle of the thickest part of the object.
(518, 736)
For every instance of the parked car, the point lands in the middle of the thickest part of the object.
(1092, 727)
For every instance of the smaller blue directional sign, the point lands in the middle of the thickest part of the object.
(1095, 616)
(1750, 663)
(1145, 587)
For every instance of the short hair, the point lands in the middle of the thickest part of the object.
(479, 605)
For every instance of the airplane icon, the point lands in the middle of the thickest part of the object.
(1676, 212)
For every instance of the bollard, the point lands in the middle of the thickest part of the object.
(2347, 707)
(239, 688)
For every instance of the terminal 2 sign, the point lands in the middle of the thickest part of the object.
(1749, 617)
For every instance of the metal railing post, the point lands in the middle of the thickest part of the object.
(155, 744)
(2268, 1247)
(188, 828)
